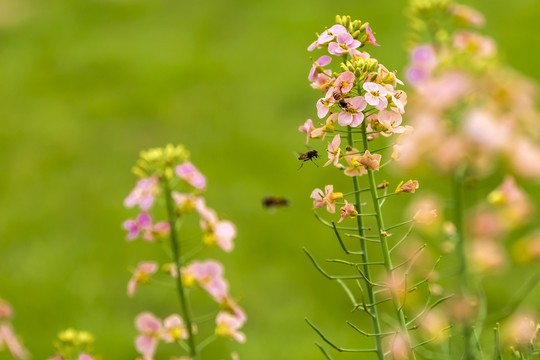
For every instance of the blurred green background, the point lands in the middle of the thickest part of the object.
(85, 85)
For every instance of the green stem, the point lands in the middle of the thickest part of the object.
(175, 246)
(369, 289)
(462, 270)
(384, 246)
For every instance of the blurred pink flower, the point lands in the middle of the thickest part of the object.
(425, 217)
(317, 67)
(323, 81)
(9, 339)
(467, 15)
(141, 275)
(327, 128)
(85, 357)
(150, 329)
(186, 203)
(522, 330)
(343, 44)
(143, 194)
(352, 114)
(474, 43)
(174, 329)
(486, 255)
(328, 198)
(227, 326)
(6, 311)
(398, 347)
(143, 225)
(189, 173)
(209, 276)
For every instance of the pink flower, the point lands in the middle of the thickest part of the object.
(355, 168)
(371, 161)
(344, 82)
(399, 100)
(150, 329)
(324, 104)
(425, 217)
(347, 211)
(345, 43)
(474, 43)
(409, 187)
(209, 276)
(317, 67)
(85, 357)
(386, 76)
(6, 311)
(329, 198)
(323, 81)
(143, 194)
(141, 275)
(387, 123)
(143, 225)
(307, 128)
(186, 203)
(522, 329)
(227, 326)
(467, 15)
(352, 114)
(189, 173)
(334, 151)
(327, 36)
(371, 38)
(376, 95)
(9, 339)
(174, 329)
(327, 128)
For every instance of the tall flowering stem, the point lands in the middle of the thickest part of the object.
(177, 259)
(167, 173)
(362, 99)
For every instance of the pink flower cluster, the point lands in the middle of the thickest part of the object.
(8, 339)
(152, 330)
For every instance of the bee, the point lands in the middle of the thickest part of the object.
(274, 202)
(340, 100)
(310, 155)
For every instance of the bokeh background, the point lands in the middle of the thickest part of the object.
(85, 85)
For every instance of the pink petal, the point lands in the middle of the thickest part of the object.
(147, 322)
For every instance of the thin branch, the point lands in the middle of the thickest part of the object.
(326, 340)
(333, 277)
(402, 239)
(342, 244)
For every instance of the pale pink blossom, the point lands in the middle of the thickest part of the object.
(323, 81)
(85, 357)
(227, 326)
(474, 43)
(334, 151)
(343, 44)
(327, 198)
(317, 67)
(425, 217)
(386, 76)
(209, 276)
(11, 342)
(143, 194)
(486, 255)
(174, 329)
(6, 311)
(371, 161)
(522, 329)
(141, 275)
(219, 232)
(467, 15)
(399, 100)
(515, 205)
(307, 128)
(353, 159)
(328, 127)
(524, 156)
(408, 187)
(324, 104)
(189, 173)
(344, 82)
(150, 329)
(387, 123)
(352, 114)
(142, 225)
(371, 37)
(346, 211)
(186, 203)
(375, 95)
(327, 36)
(399, 347)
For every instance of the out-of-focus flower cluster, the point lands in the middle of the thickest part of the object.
(8, 339)
(465, 107)
(73, 344)
(169, 171)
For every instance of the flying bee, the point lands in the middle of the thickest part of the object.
(340, 100)
(310, 155)
(274, 202)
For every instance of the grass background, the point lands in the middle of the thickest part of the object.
(85, 85)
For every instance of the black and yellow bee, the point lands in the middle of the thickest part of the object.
(307, 156)
(274, 202)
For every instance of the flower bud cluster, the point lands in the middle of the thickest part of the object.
(73, 344)
(168, 174)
